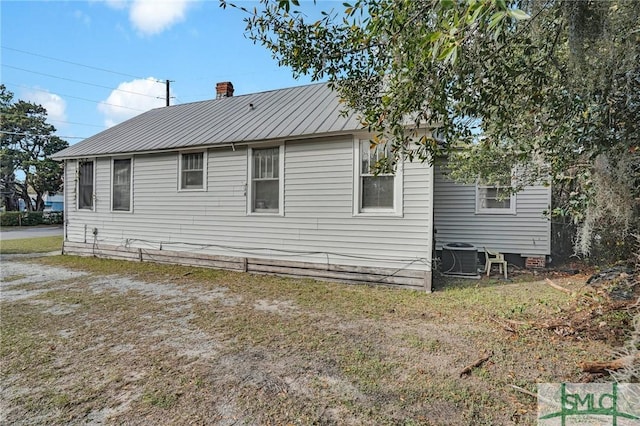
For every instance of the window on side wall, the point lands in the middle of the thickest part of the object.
(378, 183)
(121, 185)
(193, 172)
(85, 184)
(495, 199)
(266, 188)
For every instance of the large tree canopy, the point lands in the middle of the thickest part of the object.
(549, 88)
(26, 143)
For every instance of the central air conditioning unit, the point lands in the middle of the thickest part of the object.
(460, 259)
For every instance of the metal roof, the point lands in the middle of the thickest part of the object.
(278, 114)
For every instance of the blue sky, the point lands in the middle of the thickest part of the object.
(71, 56)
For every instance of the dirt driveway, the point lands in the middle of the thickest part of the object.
(159, 344)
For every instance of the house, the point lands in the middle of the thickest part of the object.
(513, 224)
(272, 182)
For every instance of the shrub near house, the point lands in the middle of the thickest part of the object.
(31, 218)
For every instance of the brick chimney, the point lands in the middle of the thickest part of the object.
(224, 90)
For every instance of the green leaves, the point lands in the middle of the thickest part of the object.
(286, 4)
(518, 14)
(496, 19)
(449, 54)
(26, 142)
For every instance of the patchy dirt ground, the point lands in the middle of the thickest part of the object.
(90, 341)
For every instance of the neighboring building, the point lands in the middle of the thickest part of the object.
(271, 182)
(54, 202)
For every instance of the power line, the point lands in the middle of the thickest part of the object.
(31, 134)
(75, 123)
(4, 114)
(199, 97)
(80, 65)
(75, 97)
(78, 81)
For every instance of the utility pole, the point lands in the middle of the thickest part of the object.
(168, 92)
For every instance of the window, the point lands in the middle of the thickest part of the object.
(266, 185)
(378, 185)
(85, 185)
(193, 171)
(495, 199)
(121, 188)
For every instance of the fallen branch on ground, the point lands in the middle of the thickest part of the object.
(476, 363)
(523, 390)
(557, 287)
(509, 324)
(606, 366)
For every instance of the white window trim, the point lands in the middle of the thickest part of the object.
(398, 181)
(130, 185)
(205, 167)
(280, 211)
(494, 211)
(93, 196)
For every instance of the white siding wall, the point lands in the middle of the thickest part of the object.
(527, 232)
(69, 187)
(318, 223)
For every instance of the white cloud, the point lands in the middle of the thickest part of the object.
(132, 98)
(56, 106)
(82, 17)
(150, 17)
(116, 4)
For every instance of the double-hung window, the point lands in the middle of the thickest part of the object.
(378, 183)
(495, 199)
(193, 171)
(85, 184)
(121, 185)
(266, 185)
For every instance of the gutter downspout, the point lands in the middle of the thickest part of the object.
(428, 284)
(66, 204)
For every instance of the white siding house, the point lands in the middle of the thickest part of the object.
(273, 182)
(515, 226)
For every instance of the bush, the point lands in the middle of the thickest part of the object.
(10, 218)
(31, 218)
(53, 218)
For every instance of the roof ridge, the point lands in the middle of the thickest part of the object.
(246, 94)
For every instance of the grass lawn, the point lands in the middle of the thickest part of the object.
(93, 340)
(31, 245)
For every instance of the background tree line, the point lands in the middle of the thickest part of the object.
(550, 88)
(26, 142)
